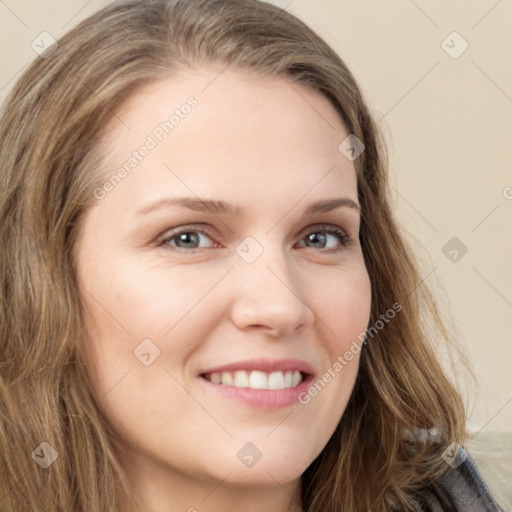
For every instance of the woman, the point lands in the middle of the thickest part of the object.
(207, 302)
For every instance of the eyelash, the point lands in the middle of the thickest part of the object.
(344, 238)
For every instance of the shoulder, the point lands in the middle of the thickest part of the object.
(461, 489)
(491, 450)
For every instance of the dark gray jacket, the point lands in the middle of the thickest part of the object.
(460, 489)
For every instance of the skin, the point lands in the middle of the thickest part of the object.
(272, 150)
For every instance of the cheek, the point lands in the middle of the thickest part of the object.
(344, 312)
(143, 301)
(120, 330)
(127, 305)
(345, 306)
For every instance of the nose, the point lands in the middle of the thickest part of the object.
(268, 295)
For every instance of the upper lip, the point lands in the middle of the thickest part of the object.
(264, 365)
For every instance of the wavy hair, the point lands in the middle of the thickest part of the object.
(50, 146)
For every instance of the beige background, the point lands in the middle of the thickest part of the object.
(449, 125)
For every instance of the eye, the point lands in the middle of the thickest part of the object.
(325, 231)
(323, 236)
(186, 238)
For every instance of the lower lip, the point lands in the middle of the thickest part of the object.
(266, 399)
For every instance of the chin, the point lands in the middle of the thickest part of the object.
(268, 475)
(277, 462)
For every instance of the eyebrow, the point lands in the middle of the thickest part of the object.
(219, 207)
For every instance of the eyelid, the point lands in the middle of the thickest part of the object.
(322, 226)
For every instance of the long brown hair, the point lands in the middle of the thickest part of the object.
(50, 132)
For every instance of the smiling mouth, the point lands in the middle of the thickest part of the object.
(256, 379)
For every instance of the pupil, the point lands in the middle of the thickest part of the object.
(187, 237)
(313, 237)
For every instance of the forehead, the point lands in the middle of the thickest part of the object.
(244, 131)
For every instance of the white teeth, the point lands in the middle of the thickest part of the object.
(276, 380)
(257, 379)
(227, 379)
(216, 378)
(297, 377)
(241, 380)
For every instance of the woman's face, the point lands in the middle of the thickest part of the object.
(175, 291)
